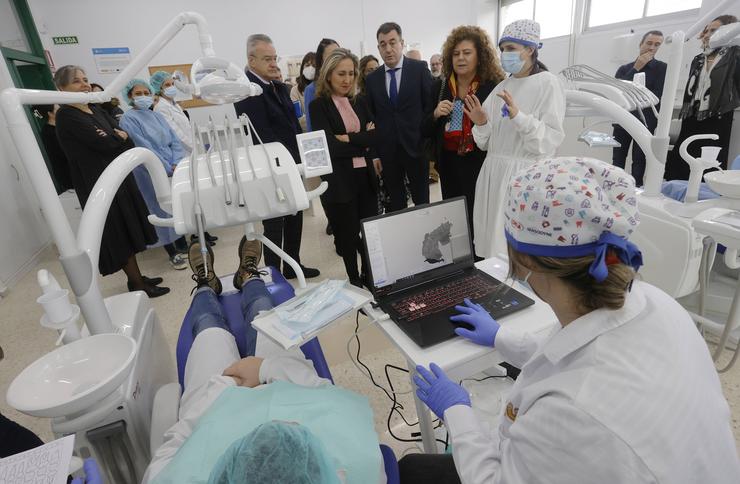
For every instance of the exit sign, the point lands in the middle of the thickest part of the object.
(69, 39)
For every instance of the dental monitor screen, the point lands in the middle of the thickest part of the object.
(412, 246)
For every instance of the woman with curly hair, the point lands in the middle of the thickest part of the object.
(470, 67)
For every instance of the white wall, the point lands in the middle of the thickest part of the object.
(295, 27)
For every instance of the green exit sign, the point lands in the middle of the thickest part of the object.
(69, 39)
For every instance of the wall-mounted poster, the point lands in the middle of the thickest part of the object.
(181, 72)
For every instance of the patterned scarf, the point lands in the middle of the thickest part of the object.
(458, 135)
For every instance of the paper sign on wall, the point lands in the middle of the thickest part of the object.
(111, 60)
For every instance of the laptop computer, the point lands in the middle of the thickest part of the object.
(421, 265)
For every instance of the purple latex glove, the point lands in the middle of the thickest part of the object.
(437, 391)
(92, 473)
(484, 326)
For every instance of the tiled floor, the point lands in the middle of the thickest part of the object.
(23, 339)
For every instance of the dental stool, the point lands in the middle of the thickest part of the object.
(167, 401)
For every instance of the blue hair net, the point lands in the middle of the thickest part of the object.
(157, 79)
(275, 452)
(130, 86)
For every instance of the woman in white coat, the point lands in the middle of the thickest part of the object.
(164, 88)
(623, 389)
(520, 124)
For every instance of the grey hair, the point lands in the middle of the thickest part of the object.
(65, 75)
(255, 39)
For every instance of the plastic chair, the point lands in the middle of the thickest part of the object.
(280, 291)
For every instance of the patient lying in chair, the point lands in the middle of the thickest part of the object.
(267, 418)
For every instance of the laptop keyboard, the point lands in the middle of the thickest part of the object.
(446, 296)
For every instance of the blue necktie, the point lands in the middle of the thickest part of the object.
(393, 88)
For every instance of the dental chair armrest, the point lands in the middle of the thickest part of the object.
(165, 410)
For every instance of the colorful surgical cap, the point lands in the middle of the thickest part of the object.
(275, 452)
(525, 32)
(573, 207)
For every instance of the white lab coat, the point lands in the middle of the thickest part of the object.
(513, 144)
(177, 120)
(625, 396)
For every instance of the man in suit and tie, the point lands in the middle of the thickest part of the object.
(274, 119)
(399, 93)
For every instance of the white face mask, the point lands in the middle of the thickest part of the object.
(309, 72)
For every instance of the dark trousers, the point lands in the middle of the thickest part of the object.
(286, 233)
(676, 168)
(619, 153)
(417, 171)
(15, 438)
(428, 468)
(458, 175)
(345, 220)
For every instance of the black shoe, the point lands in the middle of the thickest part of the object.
(151, 291)
(198, 264)
(152, 281)
(194, 238)
(250, 253)
(308, 272)
(209, 237)
(329, 230)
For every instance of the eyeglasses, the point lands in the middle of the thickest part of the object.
(270, 59)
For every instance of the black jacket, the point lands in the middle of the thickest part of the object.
(325, 115)
(272, 115)
(435, 129)
(400, 124)
(724, 92)
(654, 80)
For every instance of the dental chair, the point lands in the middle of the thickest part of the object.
(167, 400)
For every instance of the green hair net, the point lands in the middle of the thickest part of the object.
(157, 79)
(275, 452)
(130, 86)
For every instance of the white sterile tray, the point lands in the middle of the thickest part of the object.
(265, 321)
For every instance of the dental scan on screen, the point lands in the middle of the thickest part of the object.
(431, 237)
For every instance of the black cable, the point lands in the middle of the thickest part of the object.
(396, 406)
(483, 379)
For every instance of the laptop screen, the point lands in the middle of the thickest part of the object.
(419, 244)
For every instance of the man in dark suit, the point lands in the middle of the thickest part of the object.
(274, 119)
(399, 94)
(654, 79)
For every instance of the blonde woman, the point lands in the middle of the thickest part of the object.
(350, 132)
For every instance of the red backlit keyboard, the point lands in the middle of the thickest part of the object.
(443, 297)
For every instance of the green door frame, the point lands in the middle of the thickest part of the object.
(36, 57)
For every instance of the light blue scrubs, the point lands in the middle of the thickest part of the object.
(309, 94)
(150, 130)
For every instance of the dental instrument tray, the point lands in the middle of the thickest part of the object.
(231, 180)
(290, 334)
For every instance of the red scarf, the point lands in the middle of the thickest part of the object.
(461, 142)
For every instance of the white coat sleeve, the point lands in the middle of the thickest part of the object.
(517, 347)
(553, 442)
(482, 134)
(543, 134)
(169, 115)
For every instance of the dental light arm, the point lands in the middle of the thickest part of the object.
(101, 197)
(81, 272)
(718, 10)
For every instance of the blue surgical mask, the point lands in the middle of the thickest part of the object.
(143, 102)
(170, 92)
(511, 62)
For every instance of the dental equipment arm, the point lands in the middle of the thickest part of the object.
(697, 166)
(80, 270)
(719, 9)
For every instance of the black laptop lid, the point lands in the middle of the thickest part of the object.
(417, 245)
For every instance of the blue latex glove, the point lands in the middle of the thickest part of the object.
(484, 326)
(92, 473)
(437, 391)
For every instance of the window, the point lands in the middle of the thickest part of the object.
(554, 16)
(603, 12)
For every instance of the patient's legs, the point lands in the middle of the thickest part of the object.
(255, 297)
